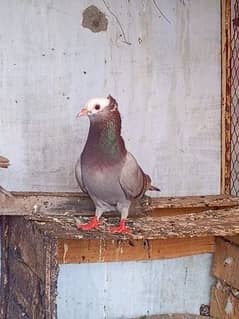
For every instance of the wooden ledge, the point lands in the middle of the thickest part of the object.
(221, 222)
(152, 237)
(162, 227)
(30, 203)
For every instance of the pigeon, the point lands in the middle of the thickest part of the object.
(106, 171)
(4, 163)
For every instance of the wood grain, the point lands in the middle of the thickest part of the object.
(233, 239)
(88, 251)
(222, 222)
(29, 271)
(226, 96)
(224, 305)
(226, 262)
(31, 203)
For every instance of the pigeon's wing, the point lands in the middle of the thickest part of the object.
(133, 181)
(79, 175)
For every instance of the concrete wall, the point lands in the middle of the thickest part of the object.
(126, 290)
(167, 83)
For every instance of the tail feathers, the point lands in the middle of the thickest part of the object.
(154, 188)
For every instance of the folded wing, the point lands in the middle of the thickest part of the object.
(133, 180)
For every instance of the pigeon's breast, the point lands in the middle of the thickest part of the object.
(102, 182)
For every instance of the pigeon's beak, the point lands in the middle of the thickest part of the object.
(82, 112)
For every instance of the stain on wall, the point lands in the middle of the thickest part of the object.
(94, 19)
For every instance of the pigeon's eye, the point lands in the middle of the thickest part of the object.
(97, 106)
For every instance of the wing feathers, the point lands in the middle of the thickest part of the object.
(133, 181)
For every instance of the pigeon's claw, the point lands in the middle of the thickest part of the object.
(93, 224)
(122, 228)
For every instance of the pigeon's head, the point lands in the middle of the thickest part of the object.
(99, 106)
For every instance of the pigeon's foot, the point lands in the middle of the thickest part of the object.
(93, 224)
(122, 228)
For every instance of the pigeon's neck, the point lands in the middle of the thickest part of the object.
(104, 137)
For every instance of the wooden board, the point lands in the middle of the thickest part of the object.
(226, 96)
(226, 262)
(85, 251)
(80, 204)
(174, 316)
(223, 222)
(29, 268)
(224, 304)
(233, 239)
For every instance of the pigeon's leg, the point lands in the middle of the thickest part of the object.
(93, 223)
(122, 228)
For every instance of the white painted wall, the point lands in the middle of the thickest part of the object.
(129, 289)
(168, 89)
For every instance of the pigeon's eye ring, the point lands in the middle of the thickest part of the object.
(97, 106)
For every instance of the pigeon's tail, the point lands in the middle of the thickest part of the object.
(154, 188)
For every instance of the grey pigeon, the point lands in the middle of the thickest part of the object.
(106, 170)
(4, 163)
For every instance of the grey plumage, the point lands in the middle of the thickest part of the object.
(106, 170)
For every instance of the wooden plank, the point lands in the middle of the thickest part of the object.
(4, 288)
(31, 203)
(174, 316)
(30, 273)
(25, 289)
(88, 251)
(80, 204)
(233, 239)
(223, 222)
(27, 244)
(226, 96)
(226, 262)
(224, 304)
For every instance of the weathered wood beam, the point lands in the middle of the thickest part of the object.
(29, 271)
(80, 204)
(226, 96)
(174, 316)
(226, 262)
(89, 251)
(222, 222)
(224, 302)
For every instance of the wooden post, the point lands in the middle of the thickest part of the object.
(224, 297)
(226, 96)
(29, 271)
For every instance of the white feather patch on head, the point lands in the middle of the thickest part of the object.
(100, 102)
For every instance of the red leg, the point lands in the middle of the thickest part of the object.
(93, 224)
(122, 228)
